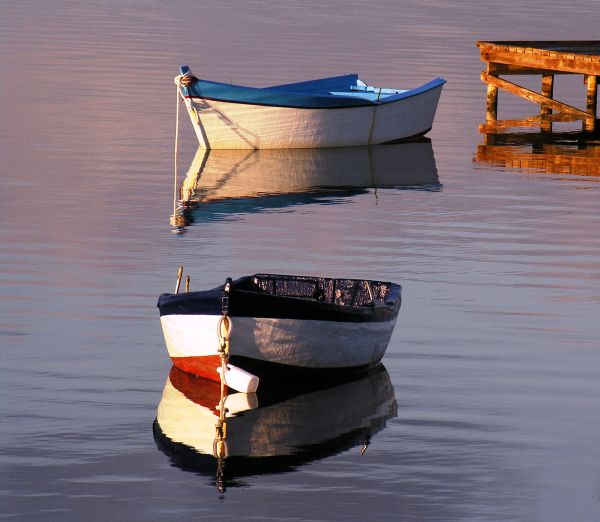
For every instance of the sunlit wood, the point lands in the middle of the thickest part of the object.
(532, 95)
(545, 58)
(578, 57)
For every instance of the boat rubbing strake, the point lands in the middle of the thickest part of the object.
(340, 111)
(283, 325)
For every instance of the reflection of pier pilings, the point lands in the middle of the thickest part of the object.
(569, 153)
(545, 59)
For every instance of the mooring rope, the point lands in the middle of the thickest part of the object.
(224, 329)
(177, 82)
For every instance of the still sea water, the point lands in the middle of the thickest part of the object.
(488, 408)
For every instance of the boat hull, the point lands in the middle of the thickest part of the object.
(231, 125)
(272, 347)
(281, 324)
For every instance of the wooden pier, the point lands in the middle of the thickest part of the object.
(545, 59)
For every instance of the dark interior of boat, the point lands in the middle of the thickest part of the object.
(344, 292)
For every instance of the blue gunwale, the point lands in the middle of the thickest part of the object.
(314, 94)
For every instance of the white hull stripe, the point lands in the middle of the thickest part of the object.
(304, 343)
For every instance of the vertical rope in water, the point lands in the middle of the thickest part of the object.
(176, 146)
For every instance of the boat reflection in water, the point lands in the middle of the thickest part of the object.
(273, 431)
(565, 153)
(221, 184)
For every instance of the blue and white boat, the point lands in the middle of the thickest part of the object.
(340, 111)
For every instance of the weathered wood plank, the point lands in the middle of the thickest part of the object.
(510, 70)
(590, 48)
(564, 62)
(531, 95)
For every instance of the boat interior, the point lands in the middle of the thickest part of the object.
(345, 292)
(348, 85)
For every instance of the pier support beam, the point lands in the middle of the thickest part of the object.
(532, 95)
(545, 110)
(492, 103)
(492, 97)
(591, 82)
(547, 91)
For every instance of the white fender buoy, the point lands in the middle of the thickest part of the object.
(239, 403)
(239, 379)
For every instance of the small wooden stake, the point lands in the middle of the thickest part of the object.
(179, 275)
(187, 284)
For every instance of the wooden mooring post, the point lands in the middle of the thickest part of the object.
(546, 59)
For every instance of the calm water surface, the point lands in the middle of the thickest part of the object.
(488, 405)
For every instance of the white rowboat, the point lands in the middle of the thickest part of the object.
(340, 111)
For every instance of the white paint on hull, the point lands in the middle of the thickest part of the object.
(227, 125)
(406, 117)
(304, 343)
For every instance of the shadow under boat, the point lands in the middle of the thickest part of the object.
(224, 183)
(508, 145)
(275, 430)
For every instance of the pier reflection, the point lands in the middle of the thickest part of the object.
(507, 145)
(274, 431)
(225, 183)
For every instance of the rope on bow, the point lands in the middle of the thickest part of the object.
(224, 329)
